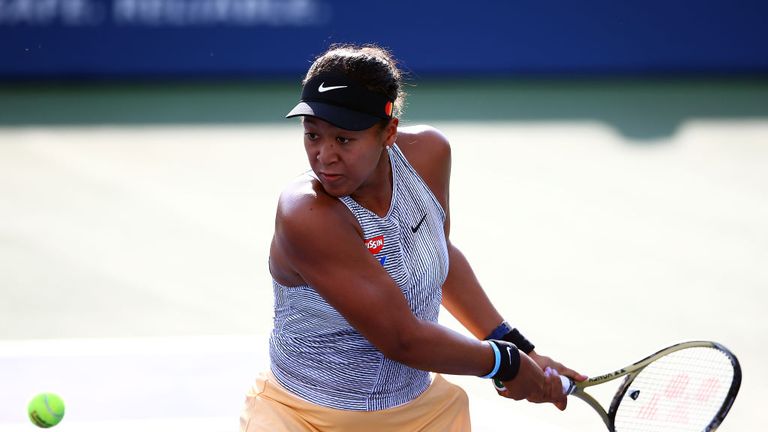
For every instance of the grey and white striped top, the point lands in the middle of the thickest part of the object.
(320, 357)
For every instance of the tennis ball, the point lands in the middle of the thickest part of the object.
(46, 410)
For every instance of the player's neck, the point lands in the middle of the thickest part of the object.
(376, 193)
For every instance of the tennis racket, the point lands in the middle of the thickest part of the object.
(688, 387)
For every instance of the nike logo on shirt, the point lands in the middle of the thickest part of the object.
(323, 88)
(416, 228)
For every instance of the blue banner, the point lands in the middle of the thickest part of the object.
(276, 38)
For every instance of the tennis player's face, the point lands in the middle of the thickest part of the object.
(346, 162)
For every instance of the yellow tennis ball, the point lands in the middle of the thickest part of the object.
(46, 410)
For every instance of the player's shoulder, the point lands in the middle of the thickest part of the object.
(422, 136)
(302, 194)
(304, 203)
(424, 144)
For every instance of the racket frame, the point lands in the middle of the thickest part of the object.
(632, 371)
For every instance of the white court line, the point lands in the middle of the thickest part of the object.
(120, 346)
(216, 424)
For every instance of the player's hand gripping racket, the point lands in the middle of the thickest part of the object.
(688, 387)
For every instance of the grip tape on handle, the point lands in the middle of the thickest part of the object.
(568, 385)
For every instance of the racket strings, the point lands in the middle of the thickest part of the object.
(681, 391)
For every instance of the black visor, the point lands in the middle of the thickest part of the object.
(342, 102)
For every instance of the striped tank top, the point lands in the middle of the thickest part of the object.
(316, 354)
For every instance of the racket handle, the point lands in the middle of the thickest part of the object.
(568, 385)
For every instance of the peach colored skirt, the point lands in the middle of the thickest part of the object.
(269, 407)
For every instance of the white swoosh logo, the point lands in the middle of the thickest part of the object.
(323, 88)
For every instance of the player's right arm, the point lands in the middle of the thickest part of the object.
(318, 242)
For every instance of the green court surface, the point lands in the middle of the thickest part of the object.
(605, 219)
(638, 108)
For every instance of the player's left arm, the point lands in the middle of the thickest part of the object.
(465, 299)
(429, 152)
(463, 296)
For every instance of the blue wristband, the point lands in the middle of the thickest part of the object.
(505, 332)
(497, 362)
(500, 331)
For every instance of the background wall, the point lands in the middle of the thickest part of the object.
(257, 38)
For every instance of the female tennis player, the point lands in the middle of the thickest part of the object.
(361, 260)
